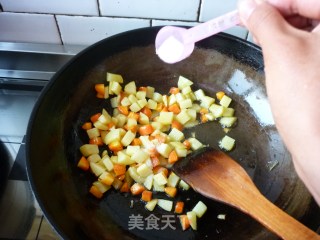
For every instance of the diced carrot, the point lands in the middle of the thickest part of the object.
(174, 90)
(159, 107)
(146, 111)
(146, 196)
(179, 207)
(83, 164)
(164, 109)
(153, 152)
(144, 89)
(146, 130)
(87, 125)
(122, 95)
(124, 110)
(177, 125)
(115, 146)
(99, 95)
(173, 157)
(174, 108)
(136, 142)
(94, 190)
(125, 187)
(97, 141)
(137, 189)
(119, 169)
(95, 117)
(219, 95)
(155, 161)
(203, 111)
(204, 118)
(160, 138)
(184, 221)
(99, 87)
(170, 191)
(187, 144)
(110, 125)
(133, 115)
(162, 170)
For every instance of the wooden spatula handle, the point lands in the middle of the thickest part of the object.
(277, 220)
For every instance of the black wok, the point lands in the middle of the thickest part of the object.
(222, 63)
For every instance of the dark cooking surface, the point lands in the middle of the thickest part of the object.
(54, 137)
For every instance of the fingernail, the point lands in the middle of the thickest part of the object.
(246, 8)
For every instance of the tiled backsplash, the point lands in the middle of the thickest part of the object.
(87, 21)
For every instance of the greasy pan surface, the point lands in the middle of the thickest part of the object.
(222, 63)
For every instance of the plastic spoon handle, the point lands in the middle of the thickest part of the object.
(211, 27)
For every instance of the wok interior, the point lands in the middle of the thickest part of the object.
(220, 63)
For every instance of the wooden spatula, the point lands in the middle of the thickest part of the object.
(215, 175)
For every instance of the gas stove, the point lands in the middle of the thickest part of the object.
(24, 70)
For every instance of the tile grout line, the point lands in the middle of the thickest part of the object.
(59, 31)
(99, 10)
(199, 10)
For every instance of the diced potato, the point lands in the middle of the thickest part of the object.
(192, 217)
(112, 136)
(130, 88)
(142, 102)
(94, 158)
(135, 176)
(192, 113)
(132, 98)
(187, 103)
(199, 209)
(165, 100)
(128, 138)
(192, 96)
(132, 149)
(115, 101)
(195, 143)
(97, 168)
(172, 99)
(183, 82)
(144, 171)
(102, 187)
(216, 110)
(107, 162)
(157, 125)
(151, 204)
(115, 87)
(185, 186)
(114, 159)
(148, 183)
(140, 156)
(160, 179)
(157, 97)
(124, 159)
(143, 119)
(89, 149)
(166, 118)
(164, 149)
(165, 204)
(106, 178)
(227, 143)
(100, 125)
(196, 107)
(146, 143)
(206, 102)
(180, 97)
(225, 101)
(157, 187)
(112, 77)
(131, 122)
(227, 121)
(183, 117)
(150, 91)
(186, 90)
(125, 102)
(210, 116)
(152, 104)
(199, 94)
(135, 107)
(228, 112)
(106, 92)
(176, 135)
(173, 180)
(122, 119)
(181, 152)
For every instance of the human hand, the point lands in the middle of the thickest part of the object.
(288, 32)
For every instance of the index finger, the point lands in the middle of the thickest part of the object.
(305, 8)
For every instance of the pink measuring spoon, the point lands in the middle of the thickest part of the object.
(174, 44)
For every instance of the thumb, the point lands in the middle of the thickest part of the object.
(265, 22)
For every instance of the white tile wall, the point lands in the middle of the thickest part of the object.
(87, 21)
(162, 9)
(75, 7)
(87, 30)
(24, 27)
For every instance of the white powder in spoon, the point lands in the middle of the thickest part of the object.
(171, 50)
